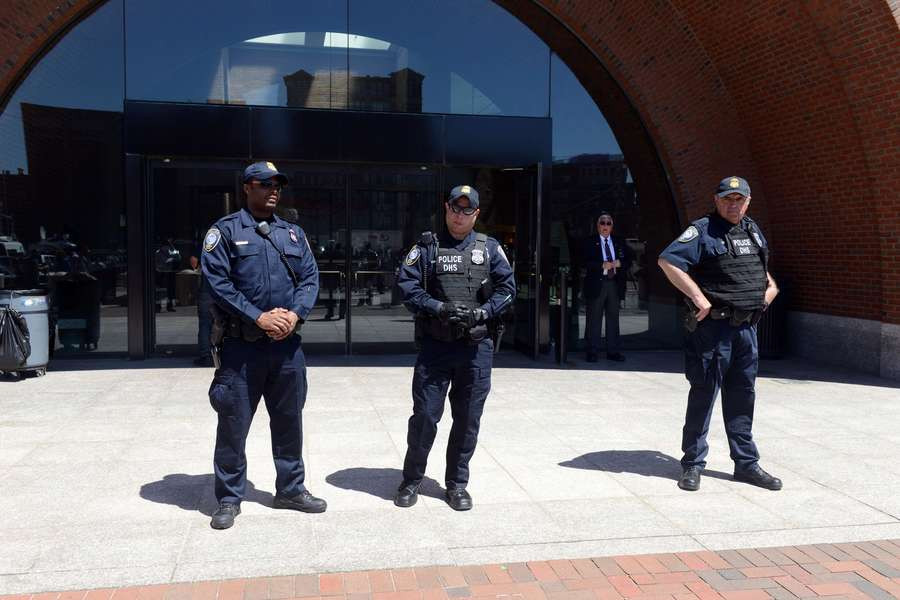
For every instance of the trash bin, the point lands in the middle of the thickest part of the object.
(33, 305)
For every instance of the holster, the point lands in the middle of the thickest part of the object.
(217, 333)
(690, 320)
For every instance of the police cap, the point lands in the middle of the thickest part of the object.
(733, 185)
(464, 190)
(263, 170)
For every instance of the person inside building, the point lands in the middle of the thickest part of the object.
(264, 281)
(720, 264)
(457, 283)
(606, 259)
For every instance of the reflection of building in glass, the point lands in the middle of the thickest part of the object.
(73, 164)
(14, 194)
(588, 183)
(401, 91)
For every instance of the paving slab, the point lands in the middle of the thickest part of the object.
(106, 472)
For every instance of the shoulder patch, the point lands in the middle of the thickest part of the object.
(413, 256)
(212, 239)
(502, 253)
(689, 234)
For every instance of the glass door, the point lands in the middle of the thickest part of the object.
(186, 198)
(390, 206)
(316, 200)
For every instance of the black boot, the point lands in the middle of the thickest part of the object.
(304, 502)
(690, 479)
(459, 499)
(407, 495)
(224, 516)
(754, 475)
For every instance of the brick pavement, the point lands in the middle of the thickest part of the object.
(848, 570)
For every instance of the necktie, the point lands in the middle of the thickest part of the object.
(607, 256)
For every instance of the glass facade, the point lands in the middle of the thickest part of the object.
(65, 137)
(357, 55)
(62, 210)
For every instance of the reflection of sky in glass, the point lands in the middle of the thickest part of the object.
(476, 58)
(221, 50)
(578, 125)
(479, 60)
(84, 70)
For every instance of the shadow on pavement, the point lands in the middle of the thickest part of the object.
(649, 463)
(187, 492)
(381, 482)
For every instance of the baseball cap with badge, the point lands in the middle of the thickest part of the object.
(263, 170)
(464, 190)
(733, 185)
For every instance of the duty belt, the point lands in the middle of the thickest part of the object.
(737, 315)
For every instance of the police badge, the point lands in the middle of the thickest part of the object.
(412, 257)
(477, 256)
(294, 236)
(212, 239)
(689, 234)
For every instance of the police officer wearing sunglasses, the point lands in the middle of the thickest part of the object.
(264, 281)
(457, 283)
(720, 264)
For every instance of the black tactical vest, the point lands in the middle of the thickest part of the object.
(460, 274)
(734, 274)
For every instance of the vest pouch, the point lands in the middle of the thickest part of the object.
(478, 334)
(437, 330)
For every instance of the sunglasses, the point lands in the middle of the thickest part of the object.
(466, 210)
(605, 222)
(268, 184)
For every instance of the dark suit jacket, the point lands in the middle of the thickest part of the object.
(592, 262)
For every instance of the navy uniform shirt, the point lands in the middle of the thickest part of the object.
(417, 298)
(245, 274)
(705, 239)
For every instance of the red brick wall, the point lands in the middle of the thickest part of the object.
(802, 97)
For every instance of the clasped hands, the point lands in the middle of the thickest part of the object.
(457, 313)
(611, 264)
(278, 323)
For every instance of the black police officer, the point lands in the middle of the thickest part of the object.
(457, 286)
(264, 280)
(720, 264)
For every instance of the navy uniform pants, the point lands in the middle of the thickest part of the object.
(717, 356)
(275, 371)
(466, 370)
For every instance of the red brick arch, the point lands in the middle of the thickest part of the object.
(802, 97)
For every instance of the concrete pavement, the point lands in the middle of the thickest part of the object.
(106, 471)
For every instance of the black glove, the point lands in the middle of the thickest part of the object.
(470, 317)
(445, 311)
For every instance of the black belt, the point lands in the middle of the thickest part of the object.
(737, 315)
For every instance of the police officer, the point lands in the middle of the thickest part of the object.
(720, 264)
(457, 284)
(264, 280)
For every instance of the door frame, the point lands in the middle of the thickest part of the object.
(242, 134)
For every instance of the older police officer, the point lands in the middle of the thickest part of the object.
(720, 264)
(264, 281)
(457, 286)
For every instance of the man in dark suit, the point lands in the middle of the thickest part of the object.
(606, 259)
